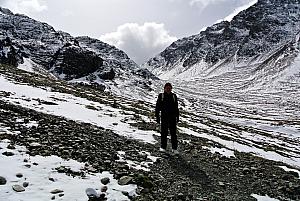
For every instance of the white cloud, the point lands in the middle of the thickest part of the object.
(140, 42)
(25, 6)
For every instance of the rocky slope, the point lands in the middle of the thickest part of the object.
(40, 46)
(196, 174)
(258, 46)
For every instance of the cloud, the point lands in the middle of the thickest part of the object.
(25, 6)
(140, 42)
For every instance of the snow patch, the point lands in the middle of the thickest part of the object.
(263, 198)
(28, 65)
(38, 177)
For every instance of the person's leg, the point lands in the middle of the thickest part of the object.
(173, 134)
(164, 134)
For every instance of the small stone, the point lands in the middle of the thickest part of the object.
(2, 181)
(53, 197)
(34, 145)
(25, 184)
(92, 169)
(51, 179)
(105, 180)
(180, 196)
(125, 180)
(8, 153)
(246, 170)
(19, 175)
(18, 188)
(56, 191)
(104, 189)
(91, 193)
(28, 165)
(102, 196)
(61, 195)
(125, 193)
(221, 184)
(10, 146)
(295, 174)
(145, 190)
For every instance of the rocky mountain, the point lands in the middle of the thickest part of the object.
(62, 141)
(259, 46)
(38, 45)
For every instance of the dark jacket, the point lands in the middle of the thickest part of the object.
(167, 104)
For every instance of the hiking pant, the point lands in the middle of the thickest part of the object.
(168, 124)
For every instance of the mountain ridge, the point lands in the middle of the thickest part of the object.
(249, 39)
(77, 59)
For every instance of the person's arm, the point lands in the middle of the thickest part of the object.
(176, 108)
(158, 108)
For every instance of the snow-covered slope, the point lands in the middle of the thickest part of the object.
(255, 48)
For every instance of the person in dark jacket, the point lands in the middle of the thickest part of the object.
(167, 113)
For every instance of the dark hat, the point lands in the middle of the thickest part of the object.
(168, 84)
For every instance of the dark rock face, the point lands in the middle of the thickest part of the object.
(109, 75)
(76, 62)
(9, 54)
(145, 73)
(257, 31)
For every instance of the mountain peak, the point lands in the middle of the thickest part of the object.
(263, 31)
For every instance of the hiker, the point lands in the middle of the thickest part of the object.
(167, 105)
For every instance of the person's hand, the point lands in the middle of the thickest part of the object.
(158, 120)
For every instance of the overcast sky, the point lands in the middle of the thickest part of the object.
(142, 28)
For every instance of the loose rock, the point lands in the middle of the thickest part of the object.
(18, 188)
(2, 181)
(56, 191)
(125, 180)
(105, 180)
(25, 184)
(8, 153)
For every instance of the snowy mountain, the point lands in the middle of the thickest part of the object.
(25, 42)
(259, 46)
(238, 134)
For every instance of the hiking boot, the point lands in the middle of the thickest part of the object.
(174, 151)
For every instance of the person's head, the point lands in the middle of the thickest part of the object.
(168, 88)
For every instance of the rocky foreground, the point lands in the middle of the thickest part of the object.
(194, 174)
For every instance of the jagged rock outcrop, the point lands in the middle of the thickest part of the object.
(74, 62)
(8, 53)
(264, 37)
